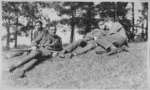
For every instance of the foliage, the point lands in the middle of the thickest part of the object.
(81, 14)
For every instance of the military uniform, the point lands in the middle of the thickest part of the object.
(46, 44)
(116, 36)
(86, 43)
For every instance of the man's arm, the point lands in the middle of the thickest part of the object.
(56, 44)
(97, 33)
(88, 37)
(115, 28)
(36, 41)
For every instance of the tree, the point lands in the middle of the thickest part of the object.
(145, 15)
(85, 17)
(88, 17)
(69, 8)
(11, 13)
(16, 11)
(8, 18)
(29, 10)
(106, 9)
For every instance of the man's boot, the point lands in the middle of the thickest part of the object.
(23, 74)
(62, 54)
(113, 50)
(70, 55)
(12, 68)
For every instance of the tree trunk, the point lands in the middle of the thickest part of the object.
(16, 33)
(89, 19)
(115, 10)
(31, 33)
(146, 28)
(8, 37)
(147, 22)
(72, 31)
(133, 20)
(15, 36)
(72, 27)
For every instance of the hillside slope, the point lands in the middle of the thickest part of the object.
(123, 71)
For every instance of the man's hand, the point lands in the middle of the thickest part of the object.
(88, 38)
(95, 38)
(52, 44)
(33, 48)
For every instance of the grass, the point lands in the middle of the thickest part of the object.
(121, 71)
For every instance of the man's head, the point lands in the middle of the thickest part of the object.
(52, 29)
(109, 22)
(110, 19)
(101, 24)
(38, 25)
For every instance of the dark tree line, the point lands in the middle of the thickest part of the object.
(82, 15)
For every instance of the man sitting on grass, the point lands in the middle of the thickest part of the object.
(45, 43)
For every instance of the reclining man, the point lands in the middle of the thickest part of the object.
(44, 44)
(115, 37)
(109, 39)
(87, 43)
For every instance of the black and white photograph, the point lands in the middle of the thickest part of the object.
(75, 44)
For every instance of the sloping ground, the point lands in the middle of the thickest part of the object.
(122, 71)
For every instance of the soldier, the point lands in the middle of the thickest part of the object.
(110, 35)
(114, 38)
(44, 44)
(86, 43)
(37, 31)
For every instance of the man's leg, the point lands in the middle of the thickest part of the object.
(112, 42)
(71, 47)
(14, 54)
(85, 49)
(26, 59)
(44, 53)
(104, 43)
(118, 41)
(28, 67)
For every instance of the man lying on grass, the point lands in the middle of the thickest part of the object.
(110, 39)
(87, 43)
(44, 44)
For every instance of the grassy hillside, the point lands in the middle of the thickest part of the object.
(123, 71)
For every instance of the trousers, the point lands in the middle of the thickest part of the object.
(114, 39)
(85, 45)
(33, 57)
(105, 42)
